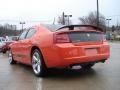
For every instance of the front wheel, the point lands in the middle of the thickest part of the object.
(4, 51)
(38, 64)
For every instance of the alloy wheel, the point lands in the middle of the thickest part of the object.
(36, 62)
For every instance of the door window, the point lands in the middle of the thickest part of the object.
(30, 33)
(23, 35)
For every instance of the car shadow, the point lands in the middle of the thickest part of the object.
(59, 73)
(70, 73)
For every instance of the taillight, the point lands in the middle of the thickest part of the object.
(61, 38)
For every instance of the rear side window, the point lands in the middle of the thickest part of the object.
(30, 33)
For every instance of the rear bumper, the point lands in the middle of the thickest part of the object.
(85, 59)
(67, 54)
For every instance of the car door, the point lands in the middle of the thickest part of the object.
(16, 47)
(26, 45)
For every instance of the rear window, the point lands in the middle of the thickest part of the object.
(85, 36)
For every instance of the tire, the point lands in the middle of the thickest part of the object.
(87, 66)
(4, 51)
(38, 64)
(10, 56)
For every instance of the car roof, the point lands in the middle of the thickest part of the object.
(52, 27)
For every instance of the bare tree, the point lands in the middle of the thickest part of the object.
(91, 19)
(60, 20)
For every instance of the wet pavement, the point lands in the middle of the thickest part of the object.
(103, 76)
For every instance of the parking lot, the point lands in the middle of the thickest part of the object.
(103, 76)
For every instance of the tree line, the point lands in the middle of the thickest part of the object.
(4, 31)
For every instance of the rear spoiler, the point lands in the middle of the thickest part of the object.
(71, 27)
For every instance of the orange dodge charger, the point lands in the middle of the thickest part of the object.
(57, 46)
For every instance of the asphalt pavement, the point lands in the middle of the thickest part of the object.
(103, 76)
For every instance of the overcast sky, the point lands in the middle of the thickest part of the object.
(45, 10)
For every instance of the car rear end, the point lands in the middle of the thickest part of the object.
(78, 46)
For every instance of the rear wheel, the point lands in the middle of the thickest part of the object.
(38, 64)
(10, 56)
(87, 66)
